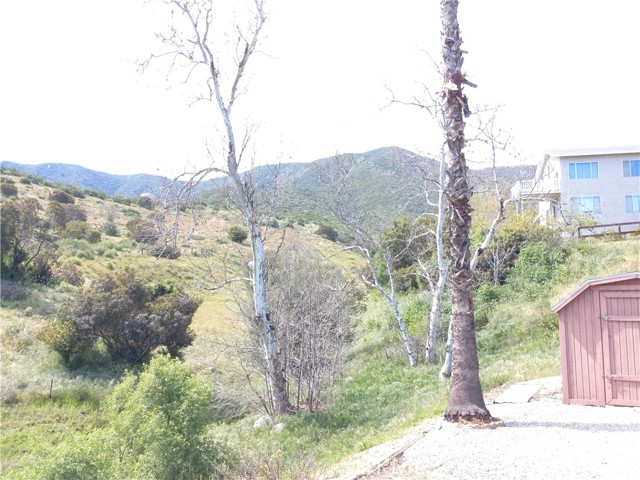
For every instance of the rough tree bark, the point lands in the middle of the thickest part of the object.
(466, 402)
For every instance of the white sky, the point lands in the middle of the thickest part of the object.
(567, 71)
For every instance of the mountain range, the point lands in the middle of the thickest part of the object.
(381, 180)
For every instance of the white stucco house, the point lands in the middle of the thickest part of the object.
(602, 182)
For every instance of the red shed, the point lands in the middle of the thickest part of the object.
(600, 341)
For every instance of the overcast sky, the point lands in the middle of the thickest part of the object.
(567, 71)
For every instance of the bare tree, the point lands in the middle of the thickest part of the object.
(195, 44)
(362, 224)
(313, 319)
(466, 401)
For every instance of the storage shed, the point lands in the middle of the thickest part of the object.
(600, 341)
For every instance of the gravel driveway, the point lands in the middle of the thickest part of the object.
(540, 439)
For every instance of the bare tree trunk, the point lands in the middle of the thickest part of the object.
(466, 402)
(443, 268)
(445, 370)
(198, 49)
(390, 296)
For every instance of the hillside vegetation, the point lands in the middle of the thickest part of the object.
(200, 413)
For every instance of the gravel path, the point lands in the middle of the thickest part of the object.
(540, 439)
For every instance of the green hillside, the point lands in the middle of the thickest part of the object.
(57, 416)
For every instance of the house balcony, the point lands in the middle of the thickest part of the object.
(535, 189)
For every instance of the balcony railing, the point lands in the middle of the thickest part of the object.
(538, 188)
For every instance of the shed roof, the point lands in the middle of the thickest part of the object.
(592, 282)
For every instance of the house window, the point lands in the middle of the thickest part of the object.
(631, 168)
(633, 203)
(585, 204)
(579, 170)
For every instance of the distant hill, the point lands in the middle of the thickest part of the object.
(115, 185)
(380, 180)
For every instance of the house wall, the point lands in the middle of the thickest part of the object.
(549, 177)
(611, 186)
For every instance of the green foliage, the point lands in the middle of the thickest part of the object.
(61, 197)
(328, 232)
(26, 245)
(121, 312)
(8, 187)
(156, 425)
(159, 289)
(11, 291)
(147, 202)
(415, 314)
(160, 250)
(143, 231)
(80, 230)
(536, 265)
(237, 234)
(110, 229)
(70, 274)
(517, 231)
(61, 335)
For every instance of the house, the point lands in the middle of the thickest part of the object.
(601, 182)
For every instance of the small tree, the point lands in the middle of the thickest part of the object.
(26, 245)
(312, 305)
(120, 312)
(237, 234)
(61, 197)
(155, 425)
(328, 232)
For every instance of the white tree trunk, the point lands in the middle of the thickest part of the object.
(443, 268)
(199, 49)
(445, 371)
(390, 296)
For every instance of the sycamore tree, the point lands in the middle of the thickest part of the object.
(215, 51)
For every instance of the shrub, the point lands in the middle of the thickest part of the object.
(61, 197)
(8, 188)
(164, 251)
(143, 231)
(237, 234)
(156, 425)
(328, 232)
(70, 274)
(73, 212)
(110, 228)
(25, 181)
(81, 231)
(61, 335)
(120, 311)
(147, 201)
(12, 291)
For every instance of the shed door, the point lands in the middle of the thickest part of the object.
(620, 314)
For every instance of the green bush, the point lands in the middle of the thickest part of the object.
(61, 335)
(328, 232)
(8, 189)
(156, 426)
(12, 291)
(143, 231)
(237, 234)
(61, 197)
(121, 312)
(80, 230)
